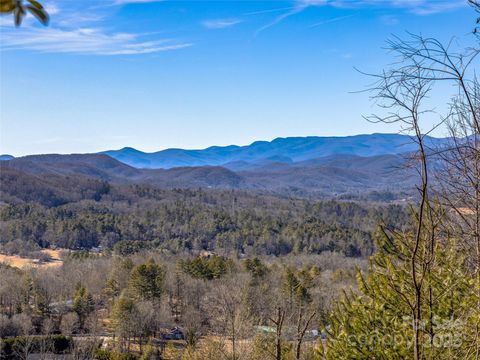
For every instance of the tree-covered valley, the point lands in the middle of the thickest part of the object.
(182, 220)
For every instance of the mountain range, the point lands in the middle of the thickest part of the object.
(283, 150)
(371, 166)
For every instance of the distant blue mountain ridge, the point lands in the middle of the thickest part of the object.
(6, 157)
(281, 150)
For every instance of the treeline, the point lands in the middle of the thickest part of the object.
(229, 222)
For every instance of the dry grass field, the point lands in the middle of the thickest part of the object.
(19, 262)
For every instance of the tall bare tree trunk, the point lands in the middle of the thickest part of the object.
(278, 322)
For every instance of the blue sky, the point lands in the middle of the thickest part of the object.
(157, 74)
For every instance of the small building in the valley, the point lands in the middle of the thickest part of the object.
(174, 334)
(60, 307)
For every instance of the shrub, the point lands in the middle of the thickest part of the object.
(59, 344)
(102, 354)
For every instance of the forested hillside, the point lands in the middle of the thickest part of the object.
(81, 213)
(385, 177)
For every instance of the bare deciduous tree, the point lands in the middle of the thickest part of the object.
(302, 326)
(227, 301)
(401, 92)
(278, 322)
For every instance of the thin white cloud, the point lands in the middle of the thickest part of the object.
(266, 11)
(278, 20)
(430, 8)
(77, 31)
(417, 7)
(220, 23)
(300, 5)
(306, 3)
(52, 8)
(84, 41)
(332, 20)
(77, 19)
